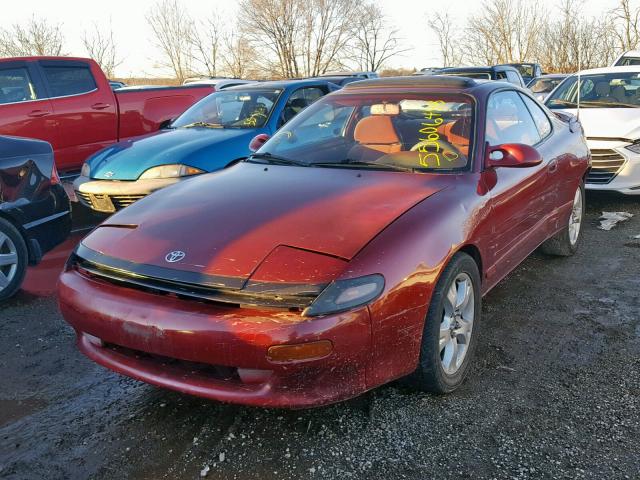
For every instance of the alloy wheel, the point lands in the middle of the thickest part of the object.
(8, 261)
(575, 219)
(457, 323)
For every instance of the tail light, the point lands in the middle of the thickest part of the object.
(55, 178)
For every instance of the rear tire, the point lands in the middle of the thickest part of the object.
(451, 328)
(565, 243)
(14, 258)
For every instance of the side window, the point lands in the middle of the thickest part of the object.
(501, 76)
(513, 78)
(298, 101)
(509, 121)
(539, 117)
(16, 86)
(69, 80)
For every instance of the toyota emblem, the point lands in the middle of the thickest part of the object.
(175, 256)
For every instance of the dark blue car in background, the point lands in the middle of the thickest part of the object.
(213, 134)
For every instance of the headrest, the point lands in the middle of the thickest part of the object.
(603, 88)
(376, 130)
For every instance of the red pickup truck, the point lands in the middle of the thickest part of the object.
(68, 102)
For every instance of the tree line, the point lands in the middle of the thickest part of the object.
(562, 40)
(299, 38)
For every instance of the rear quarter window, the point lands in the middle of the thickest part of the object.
(69, 80)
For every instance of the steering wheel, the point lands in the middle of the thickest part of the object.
(435, 151)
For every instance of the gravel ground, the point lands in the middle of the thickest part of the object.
(555, 393)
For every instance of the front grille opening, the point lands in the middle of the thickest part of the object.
(123, 282)
(209, 295)
(177, 366)
(606, 164)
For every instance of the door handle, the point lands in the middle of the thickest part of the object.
(553, 166)
(38, 113)
(100, 106)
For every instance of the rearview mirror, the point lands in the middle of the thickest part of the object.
(515, 155)
(257, 141)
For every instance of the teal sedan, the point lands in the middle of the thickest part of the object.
(214, 133)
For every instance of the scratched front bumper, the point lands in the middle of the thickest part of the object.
(134, 332)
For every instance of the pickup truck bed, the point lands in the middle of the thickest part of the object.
(68, 102)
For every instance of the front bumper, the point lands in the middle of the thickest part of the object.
(215, 350)
(107, 196)
(614, 168)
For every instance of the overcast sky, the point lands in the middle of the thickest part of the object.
(135, 40)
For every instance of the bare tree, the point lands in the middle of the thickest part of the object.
(504, 31)
(374, 42)
(450, 44)
(567, 43)
(205, 42)
(172, 28)
(36, 37)
(101, 46)
(238, 57)
(298, 37)
(626, 25)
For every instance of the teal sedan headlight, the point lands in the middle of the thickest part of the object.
(86, 170)
(170, 171)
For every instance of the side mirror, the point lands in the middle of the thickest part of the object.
(166, 123)
(515, 155)
(257, 141)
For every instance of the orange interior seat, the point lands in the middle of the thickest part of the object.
(378, 133)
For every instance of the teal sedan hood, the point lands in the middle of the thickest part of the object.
(205, 148)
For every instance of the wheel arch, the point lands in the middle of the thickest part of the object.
(474, 252)
(13, 221)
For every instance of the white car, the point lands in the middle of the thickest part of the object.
(632, 57)
(610, 115)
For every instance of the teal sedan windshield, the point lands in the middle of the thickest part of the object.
(230, 109)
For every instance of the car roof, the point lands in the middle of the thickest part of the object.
(436, 81)
(596, 71)
(279, 84)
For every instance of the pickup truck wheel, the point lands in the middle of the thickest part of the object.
(451, 328)
(13, 259)
(565, 243)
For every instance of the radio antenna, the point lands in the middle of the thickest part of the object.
(579, 69)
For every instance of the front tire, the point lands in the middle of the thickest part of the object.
(13, 259)
(451, 328)
(565, 243)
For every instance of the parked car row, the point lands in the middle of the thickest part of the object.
(329, 237)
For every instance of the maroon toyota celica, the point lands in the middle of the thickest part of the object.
(351, 249)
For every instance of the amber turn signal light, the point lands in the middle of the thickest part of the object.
(300, 352)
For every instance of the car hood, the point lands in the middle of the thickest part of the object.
(227, 223)
(204, 148)
(609, 123)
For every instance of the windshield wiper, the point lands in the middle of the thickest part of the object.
(351, 164)
(275, 160)
(561, 102)
(203, 124)
(596, 103)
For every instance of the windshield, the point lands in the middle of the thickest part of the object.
(525, 69)
(626, 61)
(544, 85)
(416, 132)
(606, 90)
(230, 109)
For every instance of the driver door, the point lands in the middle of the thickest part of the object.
(520, 197)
